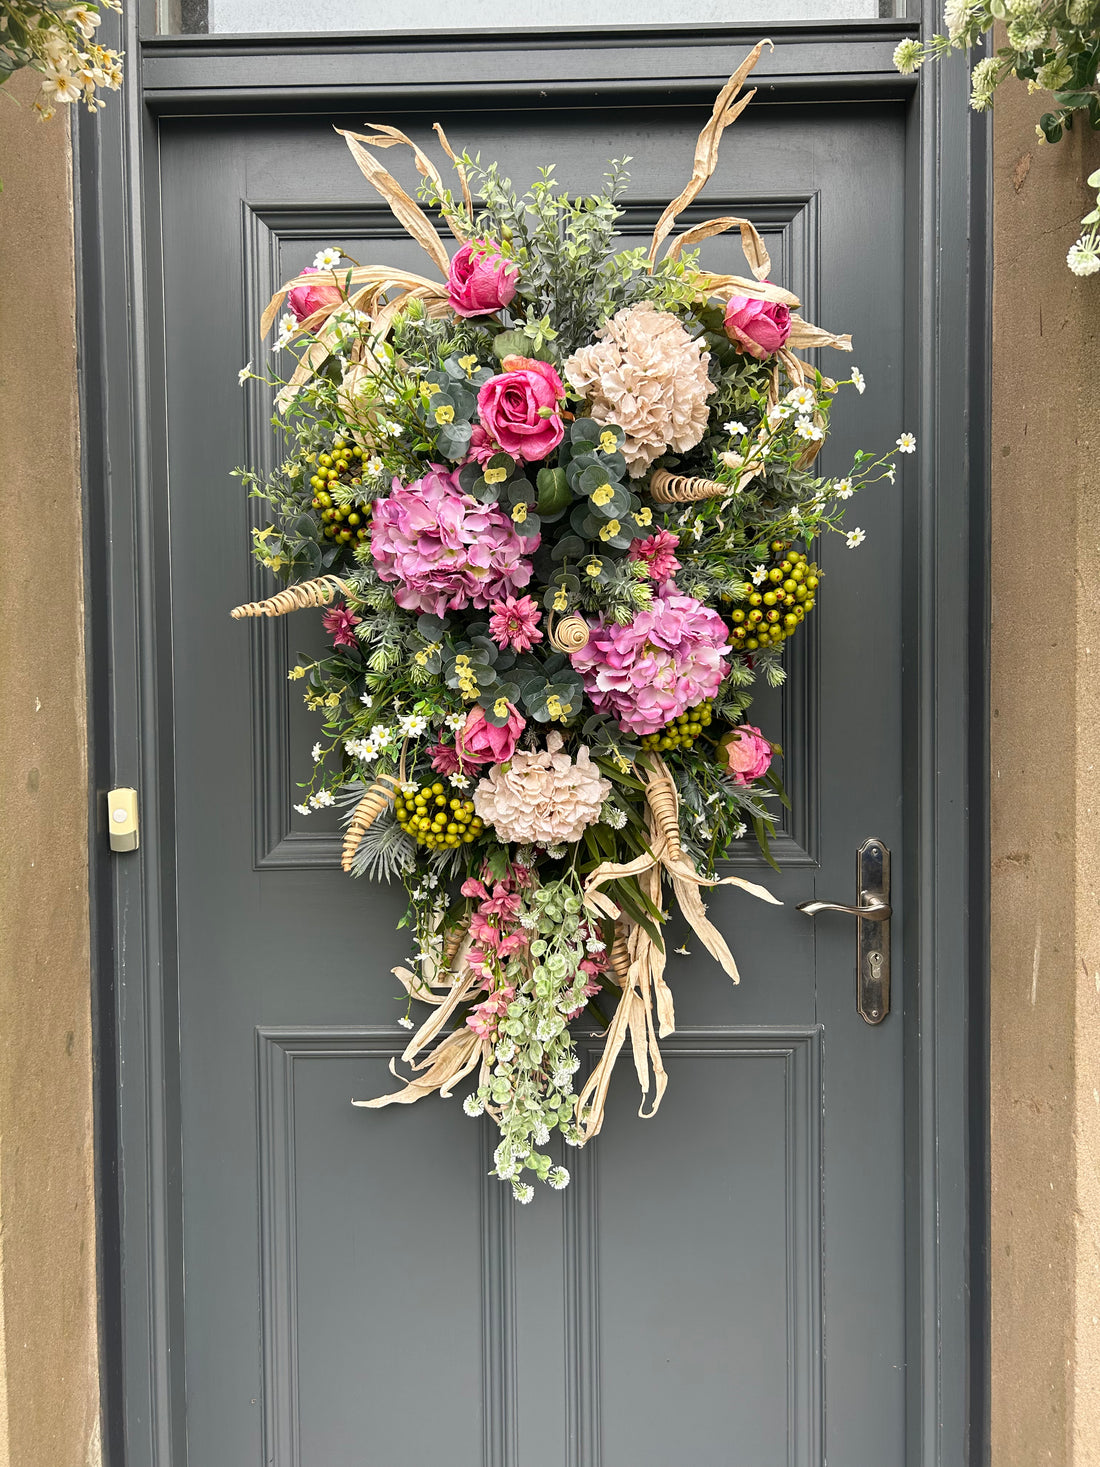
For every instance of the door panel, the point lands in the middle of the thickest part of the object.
(722, 1284)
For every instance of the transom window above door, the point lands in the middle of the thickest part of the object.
(244, 17)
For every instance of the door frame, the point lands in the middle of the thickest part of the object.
(944, 656)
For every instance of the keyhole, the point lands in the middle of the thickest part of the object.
(874, 962)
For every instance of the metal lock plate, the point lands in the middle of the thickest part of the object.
(873, 936)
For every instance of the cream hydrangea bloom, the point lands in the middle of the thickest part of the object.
(647, 375)
(543, 797)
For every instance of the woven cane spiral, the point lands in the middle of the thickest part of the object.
(378, 798)
(294, 598)
(570, 634)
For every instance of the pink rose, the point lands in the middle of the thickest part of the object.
(303, 300)
(519, 409)
(481, 742)
(758, 327)
(480, 280)
(747, 753)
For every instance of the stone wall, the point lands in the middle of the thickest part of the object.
(49, 1391)
(1045, 753)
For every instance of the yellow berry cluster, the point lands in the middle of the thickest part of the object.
(341, 464)
(435, 821)
(681, 732)
(779, 604)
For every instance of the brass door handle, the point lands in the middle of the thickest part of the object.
(872, 929)
(869, 909)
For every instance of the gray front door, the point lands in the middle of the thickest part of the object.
(757, 1276)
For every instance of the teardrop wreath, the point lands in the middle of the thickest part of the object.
(560, 504)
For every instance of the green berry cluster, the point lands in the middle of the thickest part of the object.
(340, 464)
(778, 606)
(435, 821)
(681, 732)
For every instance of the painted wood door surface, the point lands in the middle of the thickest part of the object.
(724, 1285)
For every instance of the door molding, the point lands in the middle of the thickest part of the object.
(945, 657)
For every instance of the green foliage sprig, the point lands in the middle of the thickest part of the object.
(1054, 47)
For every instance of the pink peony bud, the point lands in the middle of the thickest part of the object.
(481, 742)
(746, 753)
(303, 300)
(519, 409)
(758, 327)
(480, 280)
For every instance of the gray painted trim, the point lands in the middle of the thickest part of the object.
(131, 711)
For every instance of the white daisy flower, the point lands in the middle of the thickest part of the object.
(412, 724)
(759, 573)
(843, 489)
(315, 753)
(808, 429)
(244, 374)
(859, 382)
(373, 466)
(907, 443)
(321, 799)
(366, 700)
(855, 537)
(405, 1021)
(683, 951)
(458, 781)
(302, 809)
(734, 429)
(455, 721)
(327, 259)
(740, 830)
(891, 473)
(408, 789)
(802, 399)
(381, 735)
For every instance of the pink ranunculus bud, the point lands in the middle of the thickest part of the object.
(481, 742)
(758, 327)
(480, 280)
(746, 753)
(304, 300)
(519, 409)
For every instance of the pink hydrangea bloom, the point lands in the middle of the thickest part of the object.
(338, 623)
(667, 660)
(444, 550)
(515, 623)
(657, 551)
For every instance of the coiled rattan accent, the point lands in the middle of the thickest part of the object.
(570, 634)
(294, 598)
(619, 959)
(454, 942)
(661, 795)
(669, 488)
(378, 798)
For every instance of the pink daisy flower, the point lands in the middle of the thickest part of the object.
(657, 551)
(515, 623)
(338, 623)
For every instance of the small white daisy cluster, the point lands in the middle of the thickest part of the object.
(58, 43)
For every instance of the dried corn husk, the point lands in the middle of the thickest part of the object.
(294, 598)
(706, 148)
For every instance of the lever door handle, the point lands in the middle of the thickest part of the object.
(870, 909)
(872, 929)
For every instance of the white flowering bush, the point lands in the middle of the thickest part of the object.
(58, 40)
(1055, 48)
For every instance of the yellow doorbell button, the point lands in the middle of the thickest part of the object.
(122, 819)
